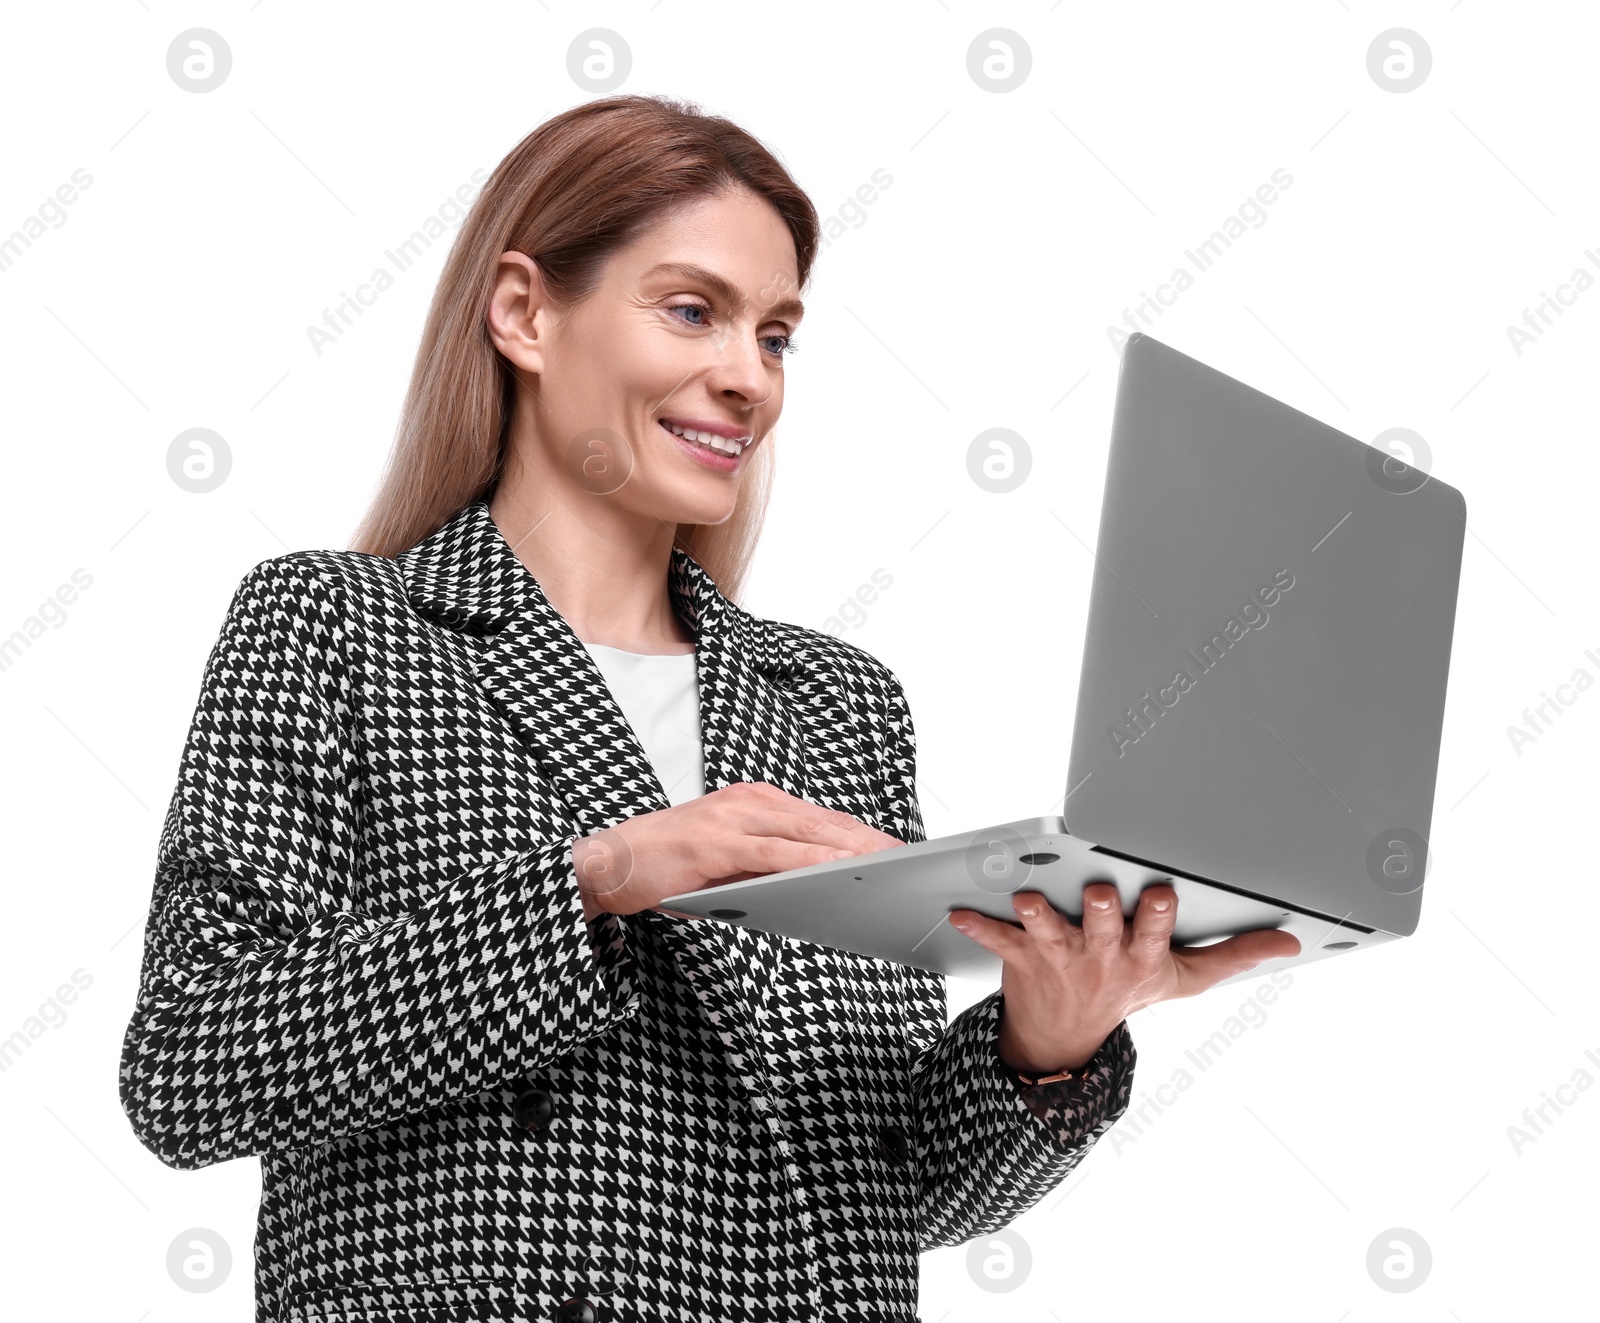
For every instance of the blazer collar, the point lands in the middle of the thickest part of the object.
(757, 703)
(467, 577)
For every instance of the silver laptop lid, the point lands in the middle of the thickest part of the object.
(1269, 633)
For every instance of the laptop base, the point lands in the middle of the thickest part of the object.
(894, 903)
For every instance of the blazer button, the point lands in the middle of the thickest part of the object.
(575, 1311)
(893, 1144)
(533, 1109)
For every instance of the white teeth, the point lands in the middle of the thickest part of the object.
(726, 445)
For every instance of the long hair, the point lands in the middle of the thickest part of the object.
(580, 186)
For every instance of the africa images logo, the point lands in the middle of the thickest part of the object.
(1140, 719)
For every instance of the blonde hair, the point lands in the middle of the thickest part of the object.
(583, 184)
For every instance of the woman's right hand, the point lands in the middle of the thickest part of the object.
(744, 830)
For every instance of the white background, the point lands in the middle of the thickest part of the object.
(975, 292)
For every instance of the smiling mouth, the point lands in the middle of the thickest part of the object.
(722, 445)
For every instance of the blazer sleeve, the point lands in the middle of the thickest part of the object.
(274, 1013)
(988, 1148)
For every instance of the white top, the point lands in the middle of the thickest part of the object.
(659, 693)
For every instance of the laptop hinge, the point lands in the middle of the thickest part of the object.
(1237, 891)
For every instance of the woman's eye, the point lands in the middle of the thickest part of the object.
(689, 307)
(788, 345)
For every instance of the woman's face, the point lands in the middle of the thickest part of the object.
(687, 329)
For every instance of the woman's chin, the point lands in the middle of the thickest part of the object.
(718, 515)
(698, 507)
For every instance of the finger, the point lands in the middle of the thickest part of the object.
(750, 833)
(1153, 923)
(765, 810)
(1043, 922)
(879, 840)
(1204, 967)
(859, 836)
(1004, 939)
(761, 855)
(1102, 934)
(1102, 918)
(828, 826)
(862, 836)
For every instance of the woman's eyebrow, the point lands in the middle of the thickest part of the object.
(723, 288)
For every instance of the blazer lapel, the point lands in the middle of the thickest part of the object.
(540, 675)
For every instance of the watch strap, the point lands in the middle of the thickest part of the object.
(1030, 1081)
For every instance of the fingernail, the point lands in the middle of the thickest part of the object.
(964, 924)
(843, 854)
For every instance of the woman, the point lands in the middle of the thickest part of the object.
(406, 942)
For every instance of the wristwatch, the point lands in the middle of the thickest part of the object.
(1029, 1081)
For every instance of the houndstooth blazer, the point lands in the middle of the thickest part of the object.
(366, 963)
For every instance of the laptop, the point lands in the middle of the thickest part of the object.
(1259, 705)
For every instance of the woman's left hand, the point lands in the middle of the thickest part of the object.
(1067, 987)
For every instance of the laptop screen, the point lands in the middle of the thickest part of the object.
(1264, 668)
